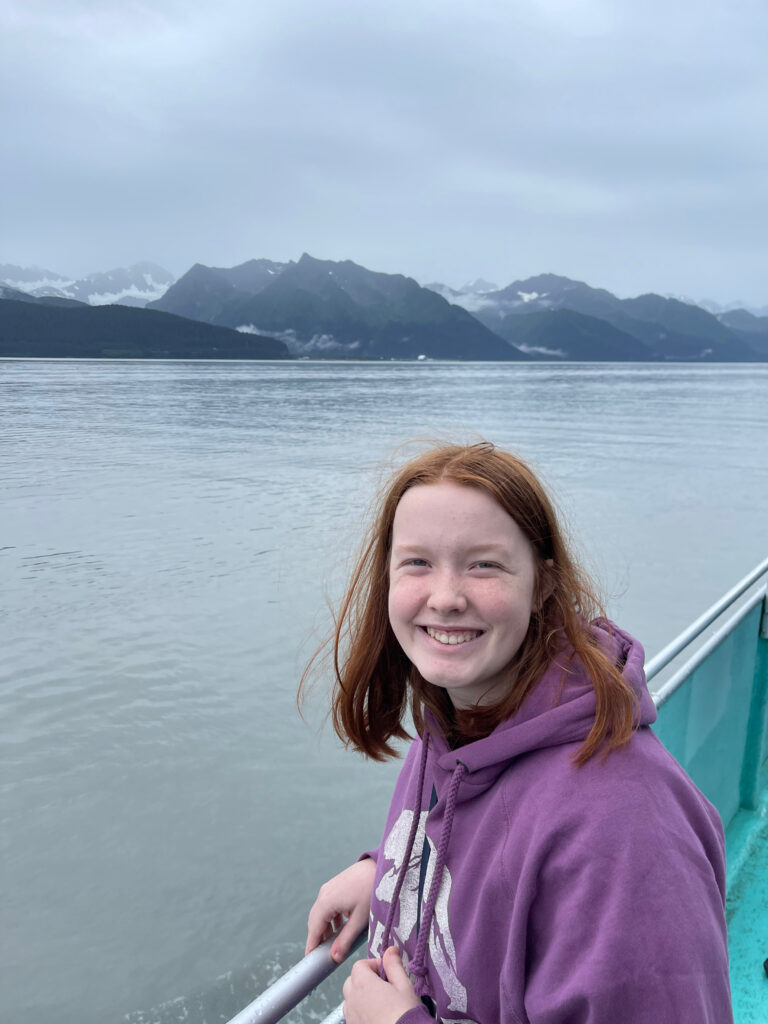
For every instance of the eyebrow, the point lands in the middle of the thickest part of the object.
(475, 549)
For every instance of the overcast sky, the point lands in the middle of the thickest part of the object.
(620, 142)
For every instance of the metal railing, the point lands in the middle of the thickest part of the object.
(293, 986)
(335, 1016)
(696, 628)
(289, 990)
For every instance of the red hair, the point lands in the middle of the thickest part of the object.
(375, 681)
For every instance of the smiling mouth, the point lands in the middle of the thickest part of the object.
(454, 637)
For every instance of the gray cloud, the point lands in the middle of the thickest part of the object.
(615, 142)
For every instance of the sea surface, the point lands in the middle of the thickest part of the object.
(171, 535)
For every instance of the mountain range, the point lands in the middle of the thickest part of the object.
(320, 307)
(323, 308)
(568, 319)
(127, 286)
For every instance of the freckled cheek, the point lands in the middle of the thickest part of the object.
(490, 596)
(405, 601)
(503, 605)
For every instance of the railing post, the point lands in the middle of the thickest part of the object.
(757, 727)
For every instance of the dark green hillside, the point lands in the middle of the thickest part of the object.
(34, 329)
(59, 300)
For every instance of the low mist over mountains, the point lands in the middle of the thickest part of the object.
(323, 308)
(131, 286)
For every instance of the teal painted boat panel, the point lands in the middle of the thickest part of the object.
(705, 723)
(757, 736)
(747, 911)
(716, 725)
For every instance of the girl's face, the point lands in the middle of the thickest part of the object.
(461, 591)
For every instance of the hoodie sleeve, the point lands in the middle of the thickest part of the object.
(628, 923)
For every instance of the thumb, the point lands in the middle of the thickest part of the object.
(394, 970)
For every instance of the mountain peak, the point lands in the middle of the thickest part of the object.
(479, 286)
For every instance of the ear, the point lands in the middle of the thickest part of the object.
(545, 583)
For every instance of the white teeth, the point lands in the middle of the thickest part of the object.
(452, 638)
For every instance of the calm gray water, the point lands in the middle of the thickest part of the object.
(169, 535)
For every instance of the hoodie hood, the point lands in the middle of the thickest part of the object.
(561, 709)
(521, 887)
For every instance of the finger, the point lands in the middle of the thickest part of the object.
(317, 931)
(352, 928)
(320, 924)
(343, 942)
(394, 970)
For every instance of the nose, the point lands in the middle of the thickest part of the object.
(447, 593)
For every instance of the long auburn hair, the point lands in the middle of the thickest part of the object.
(375, 681)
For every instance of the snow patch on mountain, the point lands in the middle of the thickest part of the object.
(131, 286)
(40, 286)
(478, 287)
(27, 279)
(153, 290)
(46, 289)
(481, 296)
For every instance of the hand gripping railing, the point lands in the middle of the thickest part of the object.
(288, 991)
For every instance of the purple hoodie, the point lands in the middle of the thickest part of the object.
(591, 895)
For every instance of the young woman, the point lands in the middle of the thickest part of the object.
(544, 860)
